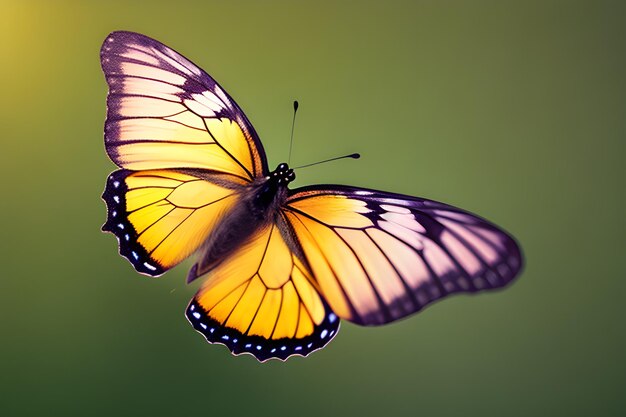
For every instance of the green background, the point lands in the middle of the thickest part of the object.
(513, 110)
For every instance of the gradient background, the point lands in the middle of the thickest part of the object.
(514, 110)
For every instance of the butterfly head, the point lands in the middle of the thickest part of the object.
(283, 175)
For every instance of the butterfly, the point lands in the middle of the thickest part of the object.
(281, 267)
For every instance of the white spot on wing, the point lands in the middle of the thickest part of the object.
(150, 267)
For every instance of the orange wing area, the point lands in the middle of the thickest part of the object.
(165, 112)
(378, 257)
(161, 217)
(261, 300)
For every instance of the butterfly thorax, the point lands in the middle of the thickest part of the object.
(272, 192)
(260, 204)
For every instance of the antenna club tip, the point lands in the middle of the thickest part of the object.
(355, 155)
(295, 105)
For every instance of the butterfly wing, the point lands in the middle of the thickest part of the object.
(165, 112)
(378, 257)
(162, 216)
(262, 300)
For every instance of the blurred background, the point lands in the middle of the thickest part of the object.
(513, 110)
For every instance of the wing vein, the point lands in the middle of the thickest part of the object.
(144, 96)
(280, 307)
(383, 306)
(220, 145)
(256, 312)
(407, 288)
(343, 291)
(155, 222)
(237, 303)
(155, 141)
(170, 232)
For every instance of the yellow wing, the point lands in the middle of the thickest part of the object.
(165, 112)
(160, 217)
(378, 256)
(262, 300)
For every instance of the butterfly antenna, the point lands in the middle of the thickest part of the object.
(352, 155)
(293, 124)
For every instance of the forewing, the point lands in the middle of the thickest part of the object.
(160, 217)
(262, 300)
(165, 112)
(378, 257)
